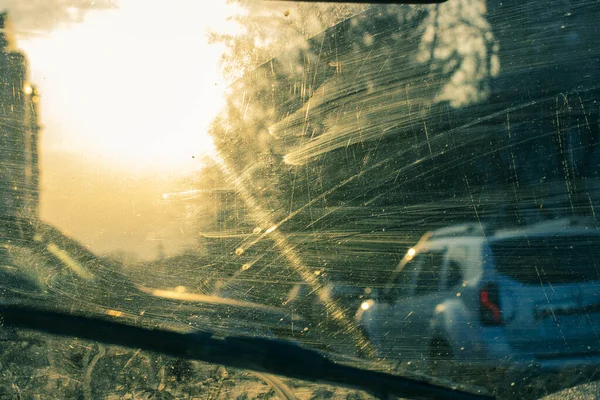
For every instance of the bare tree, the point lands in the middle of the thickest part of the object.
(267, 29)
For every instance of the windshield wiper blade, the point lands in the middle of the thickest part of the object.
(259, 354)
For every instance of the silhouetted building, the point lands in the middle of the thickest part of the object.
(19, 130)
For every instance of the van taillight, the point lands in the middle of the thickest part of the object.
(489, 306)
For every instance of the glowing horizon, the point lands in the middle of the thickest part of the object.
(127, 97)
(137, 86)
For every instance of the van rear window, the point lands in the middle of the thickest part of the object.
(555, 259)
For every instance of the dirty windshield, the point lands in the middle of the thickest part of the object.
(408, 189)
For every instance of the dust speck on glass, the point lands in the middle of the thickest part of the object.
(406, 190)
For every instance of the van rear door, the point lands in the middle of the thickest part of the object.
(555, 288)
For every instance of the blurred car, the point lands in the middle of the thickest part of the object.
(524, 299)
(15, 283)
(312, 302)
(227, 315)
(57, 271)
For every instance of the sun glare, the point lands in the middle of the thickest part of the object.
(138, 85)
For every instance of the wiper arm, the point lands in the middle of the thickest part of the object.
(265, 355)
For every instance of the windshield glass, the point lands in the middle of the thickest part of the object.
(404, 188)
(557, 259)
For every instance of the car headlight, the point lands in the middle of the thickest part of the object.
(367, 304)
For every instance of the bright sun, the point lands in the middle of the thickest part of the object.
(138, 85)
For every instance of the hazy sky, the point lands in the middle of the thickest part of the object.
(129, 88)
(127, 96)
